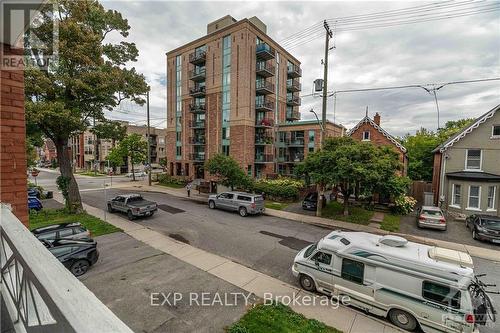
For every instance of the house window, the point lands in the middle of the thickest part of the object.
(473, 160)
(495, 131)
(457, 195)
(366, 136)
(311, 136)
(474, 196)
(352, 270)
(491, 197)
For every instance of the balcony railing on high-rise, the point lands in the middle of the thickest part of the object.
(293, 100)
(293, 115)
(197, 124)
(264, 69)
(293, 85)
(264, 51)
(197, 91)
(294, 71)
(39, 293)
(264, 87)
(197, 74)
(264, 158)
(197, 156)
(197, 140)
(265, 104)
(197, 107)
(261, 140)
(198, 57)
(266, 122)
(295, 142)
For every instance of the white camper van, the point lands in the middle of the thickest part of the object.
(409, 283)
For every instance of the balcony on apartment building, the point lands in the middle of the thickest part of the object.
(197, 90)
(264, 87)
(198, 156)
(198, 57)
(264, 69)
(292, 115)
(198, 74)
(197, 140)
(265, 123)
(292, 100)
(265, 104)
(293, 85)
(197, 123)
(263, 158)
(295, 142)
(263, 139)
(294, 71)
(294, 157)
(39, 293)
(264, 51)
(197, 107)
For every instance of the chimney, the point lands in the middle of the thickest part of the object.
(376, 119)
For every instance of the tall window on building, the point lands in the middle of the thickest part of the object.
(474, 197)
(312, 135)
(226, 92)
(457, 195)
(366, 135)
(473, 159)
(178, 106)
(491, 197)
(495, 131)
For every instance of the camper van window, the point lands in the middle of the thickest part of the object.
(353, 270)
(322, 257)
(310, 250)
(441, 294)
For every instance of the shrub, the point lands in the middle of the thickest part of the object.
(165, 179)
(404, 205)
(279, 189)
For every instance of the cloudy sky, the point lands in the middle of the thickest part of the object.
(456, 49)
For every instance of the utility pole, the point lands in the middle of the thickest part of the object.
(149, 139)
(95, 149)
(328, 35)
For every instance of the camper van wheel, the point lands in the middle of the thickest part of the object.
(403, 319)
(307, 283)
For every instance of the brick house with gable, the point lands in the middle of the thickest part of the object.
(369, 130)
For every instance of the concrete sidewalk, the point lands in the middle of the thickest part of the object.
(342, 318)
(474, 251)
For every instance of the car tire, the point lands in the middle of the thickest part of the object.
(403, 319)
(243, 211)
(130, 215)
(307, 283)
(211, 204)
(79, 267)
(110, 209)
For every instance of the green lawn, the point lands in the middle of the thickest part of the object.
(390, 222)
(358, 215)
(46, 217)
(277, 318)
(172, 185)
(276, 205)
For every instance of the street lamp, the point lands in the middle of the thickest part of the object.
(433, 91)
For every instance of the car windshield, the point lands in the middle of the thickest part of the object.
(493, 224)
(310, 250)
(429, 212)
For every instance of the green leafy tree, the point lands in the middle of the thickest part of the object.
(163, 163)
(110, 130)
(347, 164)
(420, 146)
(228, 171)
(132, 147)
(89, 77)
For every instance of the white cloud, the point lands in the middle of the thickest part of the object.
(431, 52)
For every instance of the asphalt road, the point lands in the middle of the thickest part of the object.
(266, 244)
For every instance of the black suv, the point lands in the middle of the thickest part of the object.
(75, 255)
(484, 227)
(62, 230)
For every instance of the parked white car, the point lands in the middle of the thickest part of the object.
(137, 174)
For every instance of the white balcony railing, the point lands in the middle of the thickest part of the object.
(40, 294)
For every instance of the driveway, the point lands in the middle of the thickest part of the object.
(128, 272)
(455, 232)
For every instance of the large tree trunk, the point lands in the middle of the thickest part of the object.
(132, 162)
(73, 200)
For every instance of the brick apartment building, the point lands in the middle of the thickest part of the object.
(48, 151)
(230, 92)
(369, 130)
(83, 148)
(13, 180)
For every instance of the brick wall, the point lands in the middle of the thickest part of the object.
(13, 180)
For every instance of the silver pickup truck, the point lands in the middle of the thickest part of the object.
(134, 205)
